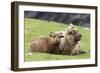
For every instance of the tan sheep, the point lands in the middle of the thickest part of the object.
(71, 43)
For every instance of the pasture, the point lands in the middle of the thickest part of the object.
(35, 27)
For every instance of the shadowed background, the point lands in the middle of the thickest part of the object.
(66, 18)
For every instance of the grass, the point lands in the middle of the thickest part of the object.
(35, 27)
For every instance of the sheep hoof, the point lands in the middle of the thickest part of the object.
(82, 52)
(74, 54)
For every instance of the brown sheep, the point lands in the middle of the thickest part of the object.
(46, 44)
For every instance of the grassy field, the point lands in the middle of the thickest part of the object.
(35, 27)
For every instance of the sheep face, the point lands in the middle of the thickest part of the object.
(76, 34)
(56, 37)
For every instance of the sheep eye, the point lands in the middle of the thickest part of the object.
(61, 33)
(61, 36)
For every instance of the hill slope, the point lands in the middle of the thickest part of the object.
(34, 28)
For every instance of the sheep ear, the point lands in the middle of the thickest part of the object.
(51, 34)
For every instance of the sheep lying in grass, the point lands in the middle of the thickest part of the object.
(71, 43)
(46, 44)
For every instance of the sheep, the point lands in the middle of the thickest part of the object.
(46, 44)
(71, 43)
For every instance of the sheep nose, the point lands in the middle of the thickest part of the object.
(78, 37)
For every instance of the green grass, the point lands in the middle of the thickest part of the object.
(35, 28)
